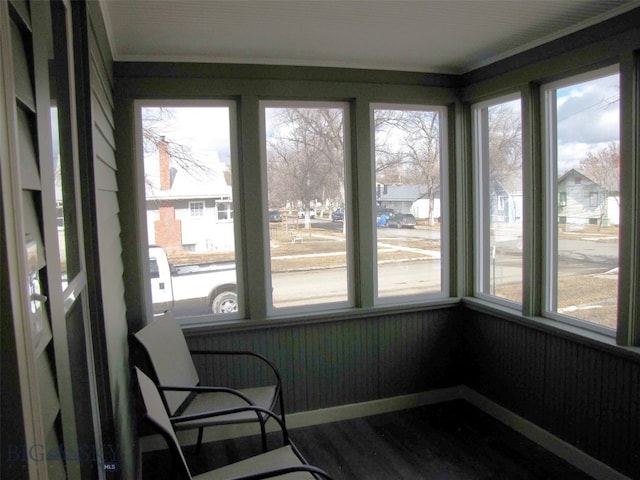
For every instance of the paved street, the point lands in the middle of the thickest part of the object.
(579, 254)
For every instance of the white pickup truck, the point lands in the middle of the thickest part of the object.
(213, 284)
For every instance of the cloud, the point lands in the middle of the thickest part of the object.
(588, 119)
(589, 112)
(570, 154)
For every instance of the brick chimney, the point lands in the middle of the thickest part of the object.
(168, 229)
(165, 164)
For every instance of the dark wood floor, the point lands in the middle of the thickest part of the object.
(451, 440)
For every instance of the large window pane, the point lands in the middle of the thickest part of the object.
(305, 160)
(498, 173)
(189, 204)
(410, 198)
(583, 142)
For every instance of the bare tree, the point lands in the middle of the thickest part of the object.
(505, 142)
(389, 159)
(157, 124)
(305, 156)
(603, 167)
(408, 144)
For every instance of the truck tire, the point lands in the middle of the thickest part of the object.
(225, 302)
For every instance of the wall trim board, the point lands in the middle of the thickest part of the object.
(281, 72)
(313, 417)
(293, 320)
(548, 441)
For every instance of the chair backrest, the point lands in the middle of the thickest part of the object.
(156, 414)
(170, 358)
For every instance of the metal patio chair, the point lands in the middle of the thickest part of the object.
(284, 462)
(173, 370)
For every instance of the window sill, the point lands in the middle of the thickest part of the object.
(315, 318)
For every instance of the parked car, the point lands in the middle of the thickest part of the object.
(312, 214)
(380, 211)
(401, 220)
(337, 215)
(213, 284)
(274, 216)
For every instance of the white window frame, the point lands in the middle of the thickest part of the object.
(319, 307)
(482, 208)
(562, 199)
(196, 209)
(445, 261)
(139, 104)
(224, 214)
(550, 169)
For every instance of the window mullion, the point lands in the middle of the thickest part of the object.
(482, 184)
(533, 204)
(253, 180)
(362, 175)
(551, 201)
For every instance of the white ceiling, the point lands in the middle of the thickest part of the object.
(438, 36)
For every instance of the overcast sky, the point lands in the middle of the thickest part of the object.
(588, 119)
(203, 129)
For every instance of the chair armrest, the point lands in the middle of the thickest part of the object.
(260, 357)
(229, 411)
(199, 389)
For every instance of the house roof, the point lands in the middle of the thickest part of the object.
(572, 173)
(201, 182)
(401, 193)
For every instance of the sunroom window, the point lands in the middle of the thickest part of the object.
(189, 166)
(582, 139)
(304, 151)
(411, 201)
(499, 200)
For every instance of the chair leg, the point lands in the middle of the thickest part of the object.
(282, 416)
(199, 442)
(263, 431)
(175, 471)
